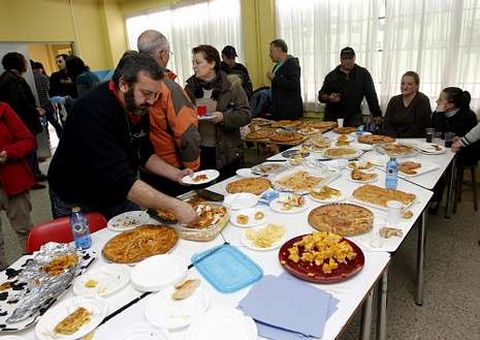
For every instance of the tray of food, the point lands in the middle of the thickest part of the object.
(363, 176)
(260, 135)
(413, 168)
(136, 245)
(302, 179)
(378, 197)
(28, 289)
(254, 186)
(287, 138)
(395, 149)
(341, 218)
(325, 194)
(268, 168)
(321, 257)
(342, 152)
(428, 148)
(344, 130)
(316, 144)
(375, 139)
(213, 218)
(286, 123)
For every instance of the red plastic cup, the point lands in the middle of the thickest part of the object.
(201, 110)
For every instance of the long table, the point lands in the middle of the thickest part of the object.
(446, 164)
(353, 294)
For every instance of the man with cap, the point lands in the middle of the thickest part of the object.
(229, 66)
(344, 89)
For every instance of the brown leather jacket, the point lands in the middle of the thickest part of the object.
(233, 103)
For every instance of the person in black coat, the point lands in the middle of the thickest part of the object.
(343, 91)
(453, 114)
(285, 77)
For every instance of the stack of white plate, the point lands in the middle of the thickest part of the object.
(229, 324)
(159, 271)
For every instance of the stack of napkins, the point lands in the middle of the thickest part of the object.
(286, 308)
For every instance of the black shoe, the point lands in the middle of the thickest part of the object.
(433, 209)
(41, 178)
(38, 186)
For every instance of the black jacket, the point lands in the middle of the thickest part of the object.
(286, 98)
(15, 91)
(97, 159)
(352, 88)
(460, 123)
(242, 72)
(59, 88)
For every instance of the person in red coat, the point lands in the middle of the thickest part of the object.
(16, 178)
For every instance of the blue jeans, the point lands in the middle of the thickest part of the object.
(62, 208)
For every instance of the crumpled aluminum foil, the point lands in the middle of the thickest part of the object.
(42, 289)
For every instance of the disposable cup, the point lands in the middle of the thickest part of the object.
(394, 211)
(340, 122)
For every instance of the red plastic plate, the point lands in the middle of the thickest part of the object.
(310, 272)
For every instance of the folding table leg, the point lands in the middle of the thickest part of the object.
(367, 311)
(421, 242)
(382, 307)
(451, 178)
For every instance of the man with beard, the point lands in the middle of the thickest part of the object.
(105, 141)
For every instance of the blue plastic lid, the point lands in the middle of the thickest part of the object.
(227, 268)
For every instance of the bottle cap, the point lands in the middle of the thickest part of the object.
(75, 209)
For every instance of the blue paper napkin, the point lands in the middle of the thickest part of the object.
(287, 308)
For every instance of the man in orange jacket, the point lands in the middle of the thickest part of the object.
(173, 119)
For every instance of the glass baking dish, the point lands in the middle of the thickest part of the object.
(207, 232)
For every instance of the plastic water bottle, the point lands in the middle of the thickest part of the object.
(391, 178)
(80, 230)
(360, 130)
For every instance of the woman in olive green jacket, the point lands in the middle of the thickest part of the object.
(223, 109)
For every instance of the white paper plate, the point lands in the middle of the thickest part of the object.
(350, 156)
(425, 167)
(47, 323)
(378, 159)
(110, 278)
(361, 146)
(128, 220)
(163, 311)
(364, 133)
(159, 271)
(142, 331)
(219, 324)
(361, 164)
(250, 213)
(247, 243)
(277, 206)
(205, 117)
(242, 200)
(246, 173)
(348, 138)
(349, 177)
(427, 148)
(211, 175)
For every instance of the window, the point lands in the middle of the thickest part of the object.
(438, 39)
(214, 22)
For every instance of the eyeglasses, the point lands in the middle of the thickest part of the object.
(149, 94)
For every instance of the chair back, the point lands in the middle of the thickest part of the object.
(58, 230)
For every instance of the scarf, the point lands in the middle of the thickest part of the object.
(199, 85)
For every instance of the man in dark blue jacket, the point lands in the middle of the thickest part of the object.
(285, 77)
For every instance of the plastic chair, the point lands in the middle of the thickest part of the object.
(58, 230)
